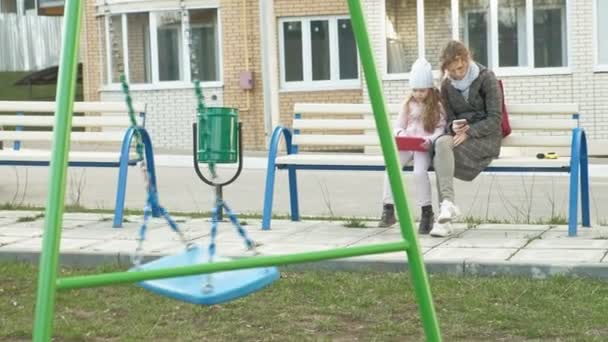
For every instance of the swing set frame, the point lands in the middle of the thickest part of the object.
(48, 281)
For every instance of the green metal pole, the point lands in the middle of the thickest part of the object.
(66, 87)
(258, 261)
(374, 86)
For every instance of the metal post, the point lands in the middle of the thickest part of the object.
(219, 198)
(389, 150)
(66, 88)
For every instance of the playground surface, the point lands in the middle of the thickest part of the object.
(537, 251)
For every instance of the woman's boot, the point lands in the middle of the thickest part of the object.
(426, 220)
(388, 216)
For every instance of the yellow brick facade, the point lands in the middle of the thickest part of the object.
(241, 52)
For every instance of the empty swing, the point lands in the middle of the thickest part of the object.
(220, 138)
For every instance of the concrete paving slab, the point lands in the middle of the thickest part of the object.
(320, 238)
(88, 216)
(568, 244)
(285, 248)
(15, 214)
(500, 234)
(462, 254)
(6, 221)
(494, 226)
(475, 242)
(549, 256)
(7, 240)
(584, 234)
(90, 233)
(20, 231)
(112, 247)
(35, 244)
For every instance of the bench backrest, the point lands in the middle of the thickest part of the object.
(108, 125)
(325, 125)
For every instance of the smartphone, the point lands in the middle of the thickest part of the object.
(459, 122)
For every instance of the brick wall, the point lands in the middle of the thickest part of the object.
(91, 52)
(241, 37)
(170, 114)
(289, 8)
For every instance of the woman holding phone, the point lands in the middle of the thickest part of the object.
(472, 103)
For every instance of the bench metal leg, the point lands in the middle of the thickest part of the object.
(578, 168)
(573, 201)
(273, 151)
(122, 179)
(293, 194)
(268, 194)
(585, 181)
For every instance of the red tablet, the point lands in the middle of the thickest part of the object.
(410, 144)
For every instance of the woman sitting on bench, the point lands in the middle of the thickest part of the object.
(472, 103)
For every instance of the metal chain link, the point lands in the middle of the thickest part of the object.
(152, 204)
(194, 71)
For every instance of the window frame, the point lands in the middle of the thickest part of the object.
(597, 67)
(155, 83)
(307, 84)
(493, 48)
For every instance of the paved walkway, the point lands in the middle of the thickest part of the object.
(487, 249)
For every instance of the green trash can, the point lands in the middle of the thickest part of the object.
(218, 135)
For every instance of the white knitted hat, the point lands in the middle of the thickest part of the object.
(421, 76)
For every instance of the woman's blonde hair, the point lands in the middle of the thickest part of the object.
(453, 51)
(432, 109)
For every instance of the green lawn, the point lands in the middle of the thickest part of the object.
(337, 306)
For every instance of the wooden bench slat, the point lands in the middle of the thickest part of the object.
(76, 136)
(78, 121)
(544, 109)
(79, 107)
(512, 140)
(542, 125)
(335, 140)
(368, 124)
(340, 108)
(378, 160)
(43, 155)
(393, 108)
(334, 124)
(515, 140)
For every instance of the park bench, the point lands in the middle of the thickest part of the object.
(320, 129)
(101, 137)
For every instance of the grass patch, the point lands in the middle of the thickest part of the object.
(30, 218)
(314, 306)
(355, 223)
(554, 220)
(474, 221)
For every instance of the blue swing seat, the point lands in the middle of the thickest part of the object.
(226, 286)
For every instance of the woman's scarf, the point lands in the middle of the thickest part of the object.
(464, 84)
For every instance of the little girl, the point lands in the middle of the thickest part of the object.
(422, 115)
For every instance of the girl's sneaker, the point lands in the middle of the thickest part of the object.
(448, 212)
(442, 229)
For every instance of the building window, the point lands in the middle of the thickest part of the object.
(18, 7)
(8, 6)
(512, 49)
(205, 45)
(510, 36)
(550, 33)
(152, 47)
(476, 29)
(140, 59)
(318, 52)
(602, 33)
(401, 33)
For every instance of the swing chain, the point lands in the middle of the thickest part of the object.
(194, 72)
